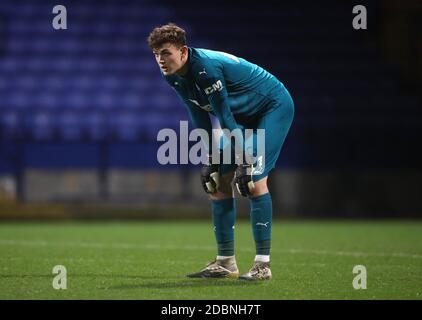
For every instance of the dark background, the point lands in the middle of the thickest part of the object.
(80, 108)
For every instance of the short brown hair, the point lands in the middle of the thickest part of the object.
(167, 33)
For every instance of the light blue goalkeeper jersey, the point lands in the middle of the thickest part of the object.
(231, 88)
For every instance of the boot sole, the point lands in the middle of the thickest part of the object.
(231, 275)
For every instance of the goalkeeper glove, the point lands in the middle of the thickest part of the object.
(243, 179)
(210, 176)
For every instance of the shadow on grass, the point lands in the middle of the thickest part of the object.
(73, 275)
(11, 276)
(178, 284)
(147, 282)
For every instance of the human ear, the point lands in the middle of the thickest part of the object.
(184, 51)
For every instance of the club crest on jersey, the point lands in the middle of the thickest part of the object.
(218, 86)
(259, 167)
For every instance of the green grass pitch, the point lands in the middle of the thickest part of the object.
(149, 260)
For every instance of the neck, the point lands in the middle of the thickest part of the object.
(183, 70)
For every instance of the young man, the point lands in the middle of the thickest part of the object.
(242, 96)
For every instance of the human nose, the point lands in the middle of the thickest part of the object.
(160, 59)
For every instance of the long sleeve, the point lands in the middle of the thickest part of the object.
(211, 80)
(200, 120)
(199, 117)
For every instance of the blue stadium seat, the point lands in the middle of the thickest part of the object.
(11, 126)
(98, 79)
(40, 125)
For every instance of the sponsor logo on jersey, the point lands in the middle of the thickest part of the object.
(218, 86)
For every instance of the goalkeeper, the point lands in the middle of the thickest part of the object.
(242, 96)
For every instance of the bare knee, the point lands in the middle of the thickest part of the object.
(220, 196)
(225, 191)
(260, 188)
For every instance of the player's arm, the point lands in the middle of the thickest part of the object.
(210, 176)
(199, 118)
(211, 80)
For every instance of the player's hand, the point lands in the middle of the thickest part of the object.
(210, 177)
(243, 179)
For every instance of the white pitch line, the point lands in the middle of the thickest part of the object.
(357, 254)
(42, 243)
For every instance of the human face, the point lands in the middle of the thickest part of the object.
(171, 59)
